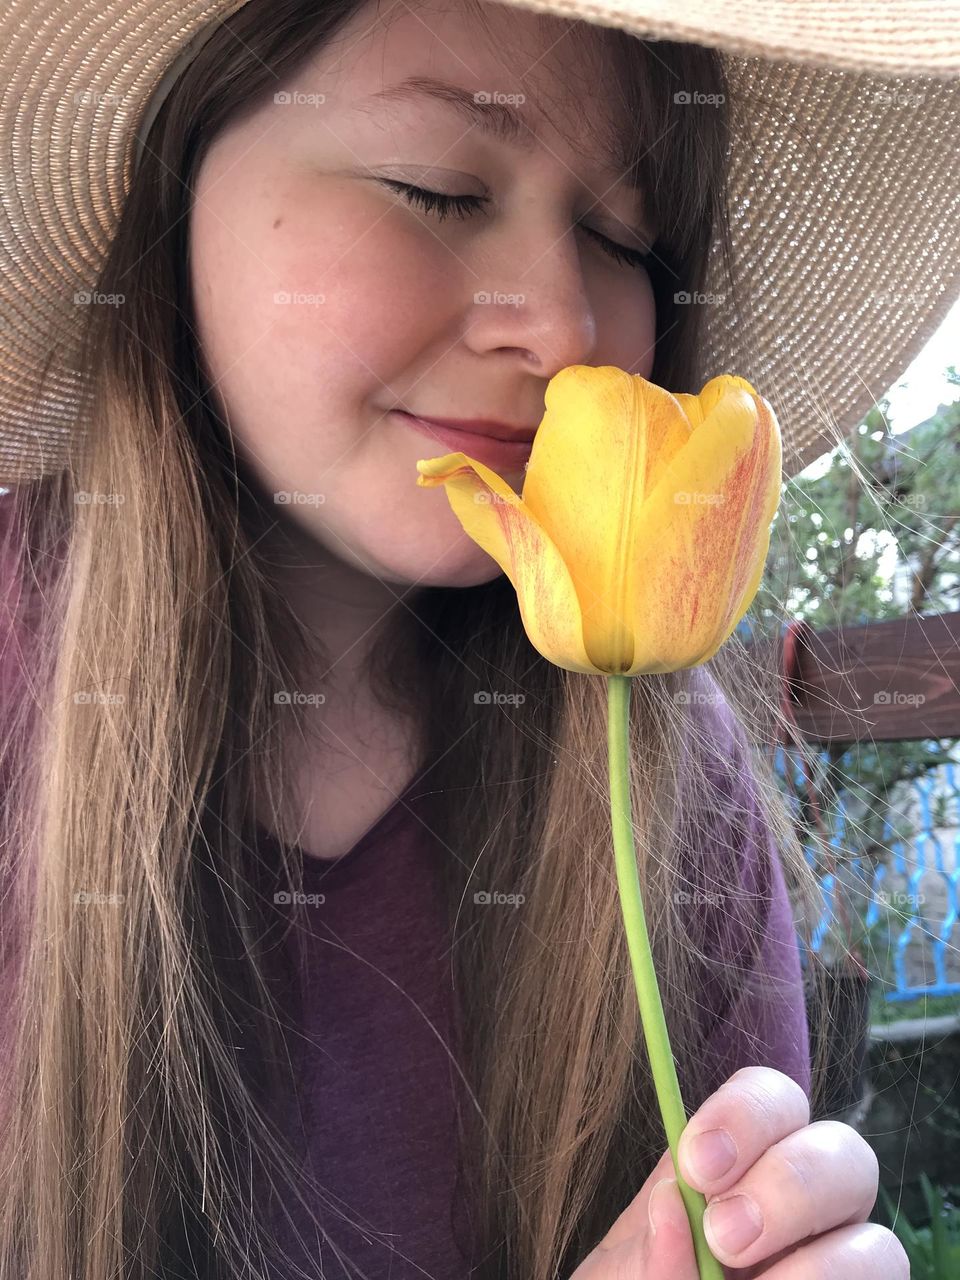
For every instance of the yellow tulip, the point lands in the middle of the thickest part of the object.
(640, 536)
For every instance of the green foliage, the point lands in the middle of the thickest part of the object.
(934, 1250)
(882, 496)
(872, 532)
(884, 1011)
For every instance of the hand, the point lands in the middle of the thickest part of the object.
(786, 1199)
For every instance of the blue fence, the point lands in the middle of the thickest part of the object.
(900, 907)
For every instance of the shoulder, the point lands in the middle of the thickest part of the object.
(727, 845)
(753, 982)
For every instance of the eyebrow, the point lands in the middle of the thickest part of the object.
(499, 119)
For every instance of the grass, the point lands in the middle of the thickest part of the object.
(934, 1250)
(883, 1011)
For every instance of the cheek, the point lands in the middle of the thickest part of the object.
(627, 324)
(303, 377)
(377, 287)
(334, 295)
(310, 306)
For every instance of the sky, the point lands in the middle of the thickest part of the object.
(922, 389)
(924, 385)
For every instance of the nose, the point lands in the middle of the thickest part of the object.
(534, 303)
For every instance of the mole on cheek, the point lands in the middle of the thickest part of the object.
(277, 223)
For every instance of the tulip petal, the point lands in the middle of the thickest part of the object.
(502, 524)
(699, 407)
(700, 561)
(605, 440)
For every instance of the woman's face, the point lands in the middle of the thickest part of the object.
(324, 299)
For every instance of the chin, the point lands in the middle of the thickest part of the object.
(458, 564)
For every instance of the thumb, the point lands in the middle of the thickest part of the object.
(650, 1240)
(669, 1253)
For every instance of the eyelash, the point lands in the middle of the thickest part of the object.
(461, 206)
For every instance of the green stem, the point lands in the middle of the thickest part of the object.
(662, 1065)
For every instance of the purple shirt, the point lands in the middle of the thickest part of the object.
(379, 1089)
(377, 1104)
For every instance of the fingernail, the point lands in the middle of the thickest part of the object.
(732, 1224)
(658, 1206)
(711, 1154)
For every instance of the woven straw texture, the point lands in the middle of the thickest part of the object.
(844, 180)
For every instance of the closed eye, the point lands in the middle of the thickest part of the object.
(445, 206)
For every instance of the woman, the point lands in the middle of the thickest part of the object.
(264, 657)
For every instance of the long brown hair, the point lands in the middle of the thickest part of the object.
(147, 727)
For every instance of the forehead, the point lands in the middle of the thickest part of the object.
(524, 79)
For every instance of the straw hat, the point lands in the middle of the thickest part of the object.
(845, 210)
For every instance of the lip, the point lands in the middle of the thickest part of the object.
(479, 427)
(491, 450)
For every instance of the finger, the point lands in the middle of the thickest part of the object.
(863, 1251)
(754, 1109)
(821, 1177)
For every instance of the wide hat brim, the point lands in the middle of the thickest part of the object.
(845, 201)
